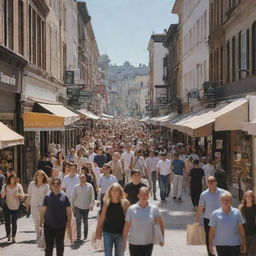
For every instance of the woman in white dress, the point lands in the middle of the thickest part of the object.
(58, 164)
(37, 190)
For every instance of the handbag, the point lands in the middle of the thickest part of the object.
(195, 235)
(41, 240)
(158, 236)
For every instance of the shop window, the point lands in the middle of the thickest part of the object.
(221, 65)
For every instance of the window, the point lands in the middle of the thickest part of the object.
(197, 32)
(205, 24)
(234, 58)
(34, 36)
(253, 46)
(39, 42)
(243, 50)
(8, 23)
(228, 61)
(21, 27)
(221, 64)
(30, 33)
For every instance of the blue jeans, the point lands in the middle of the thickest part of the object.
(164, 185)
(111, 239)
(11, 222)
(81, 215)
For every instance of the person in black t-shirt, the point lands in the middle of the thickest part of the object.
(195, 177)
(132, 189)
(45, 164)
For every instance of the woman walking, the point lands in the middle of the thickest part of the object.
(117, 168)
(112, 220)
(37, 190)
(196, 174)
(248, 210)
(13, 193)
(140, 221)
(58, 164)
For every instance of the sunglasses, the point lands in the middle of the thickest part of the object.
(211, 181)
(56, 183)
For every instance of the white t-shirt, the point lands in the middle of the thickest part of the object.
(209, 170)
(91, 157)
(164, 166)
(69, 184)
(126, 157)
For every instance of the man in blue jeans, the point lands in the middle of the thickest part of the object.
(164, 170)
(82, 200)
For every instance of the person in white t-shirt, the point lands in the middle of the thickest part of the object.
(126, 158)
(164, 171)
(91, 154)
(209, 170)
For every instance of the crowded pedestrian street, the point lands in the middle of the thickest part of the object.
(176, 216)
(128, 127)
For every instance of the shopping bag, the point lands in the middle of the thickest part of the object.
(195, 235)
(41, 240)
(97, 244)
(158, 236)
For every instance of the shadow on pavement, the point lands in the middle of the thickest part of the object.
(5, 244)
(27, 232)
(27, 242)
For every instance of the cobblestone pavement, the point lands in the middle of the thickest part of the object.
(176, 215)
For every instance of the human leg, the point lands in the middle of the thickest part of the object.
(85, 221)
(78, 213)
(49, 240)
(36, 217)
(59, 238)
(175, 185)
(118, 241)
(207, 230)
(179, 186)
(135, 250)
(108, 240)
(14, 216)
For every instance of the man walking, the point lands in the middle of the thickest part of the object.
(151, 171)
(209, 201)
(70, 180)
(126, 158)
(164, 170)
(55, 214)
(82, 201)
(177, 168)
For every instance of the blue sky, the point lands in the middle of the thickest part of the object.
(123, 27)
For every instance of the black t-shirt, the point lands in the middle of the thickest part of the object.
(133, 191)
(55, 215)
(249, 214)
(115, 219)
(196, 175)
(46, 166)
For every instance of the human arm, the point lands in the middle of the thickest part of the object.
(28, 201)
(92, 198)
(42, 214)
(199, 213)
(4, 191)
(100, 223)
(160, 222)
(127, 226)
(211, 237)
(243, 239)
(69, 214)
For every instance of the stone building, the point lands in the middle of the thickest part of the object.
(232, 44)
(157, 88)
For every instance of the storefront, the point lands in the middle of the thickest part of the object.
(11, 68)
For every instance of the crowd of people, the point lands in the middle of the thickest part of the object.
(119, 164)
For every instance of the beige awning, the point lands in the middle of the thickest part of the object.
(106, 116)
(60, 110)
(227, 116)
(43, 122)
(250, 127)
(87, 114)
(159, 120)
(232, 116)
(8, 137)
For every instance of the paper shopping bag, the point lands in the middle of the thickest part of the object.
(195, 235)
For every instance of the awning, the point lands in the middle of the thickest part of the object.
(106, 116)
(43, 122)
(88, 114)
(8, 137)
(232, 116)
(162, 119)
(250, 127)
(60, 110)
(227, 116)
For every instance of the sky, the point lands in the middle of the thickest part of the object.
(123, 27)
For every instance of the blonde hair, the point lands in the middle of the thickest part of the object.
(107, 198)
(225, 195)
(243, 203)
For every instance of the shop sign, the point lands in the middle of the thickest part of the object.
(193, 95)
(7, 79)
(209, 90)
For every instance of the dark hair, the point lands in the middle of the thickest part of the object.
(59, 180)
(135, 171)
(9, 179)
(73, 165)
(176, 154)
(45, 155)
(86, 169)
(65, 163)
(196, 162)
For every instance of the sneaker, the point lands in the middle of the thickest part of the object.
(174, 198)
(13, 240)
(179, 199)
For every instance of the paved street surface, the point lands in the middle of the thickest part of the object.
(176, 215)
